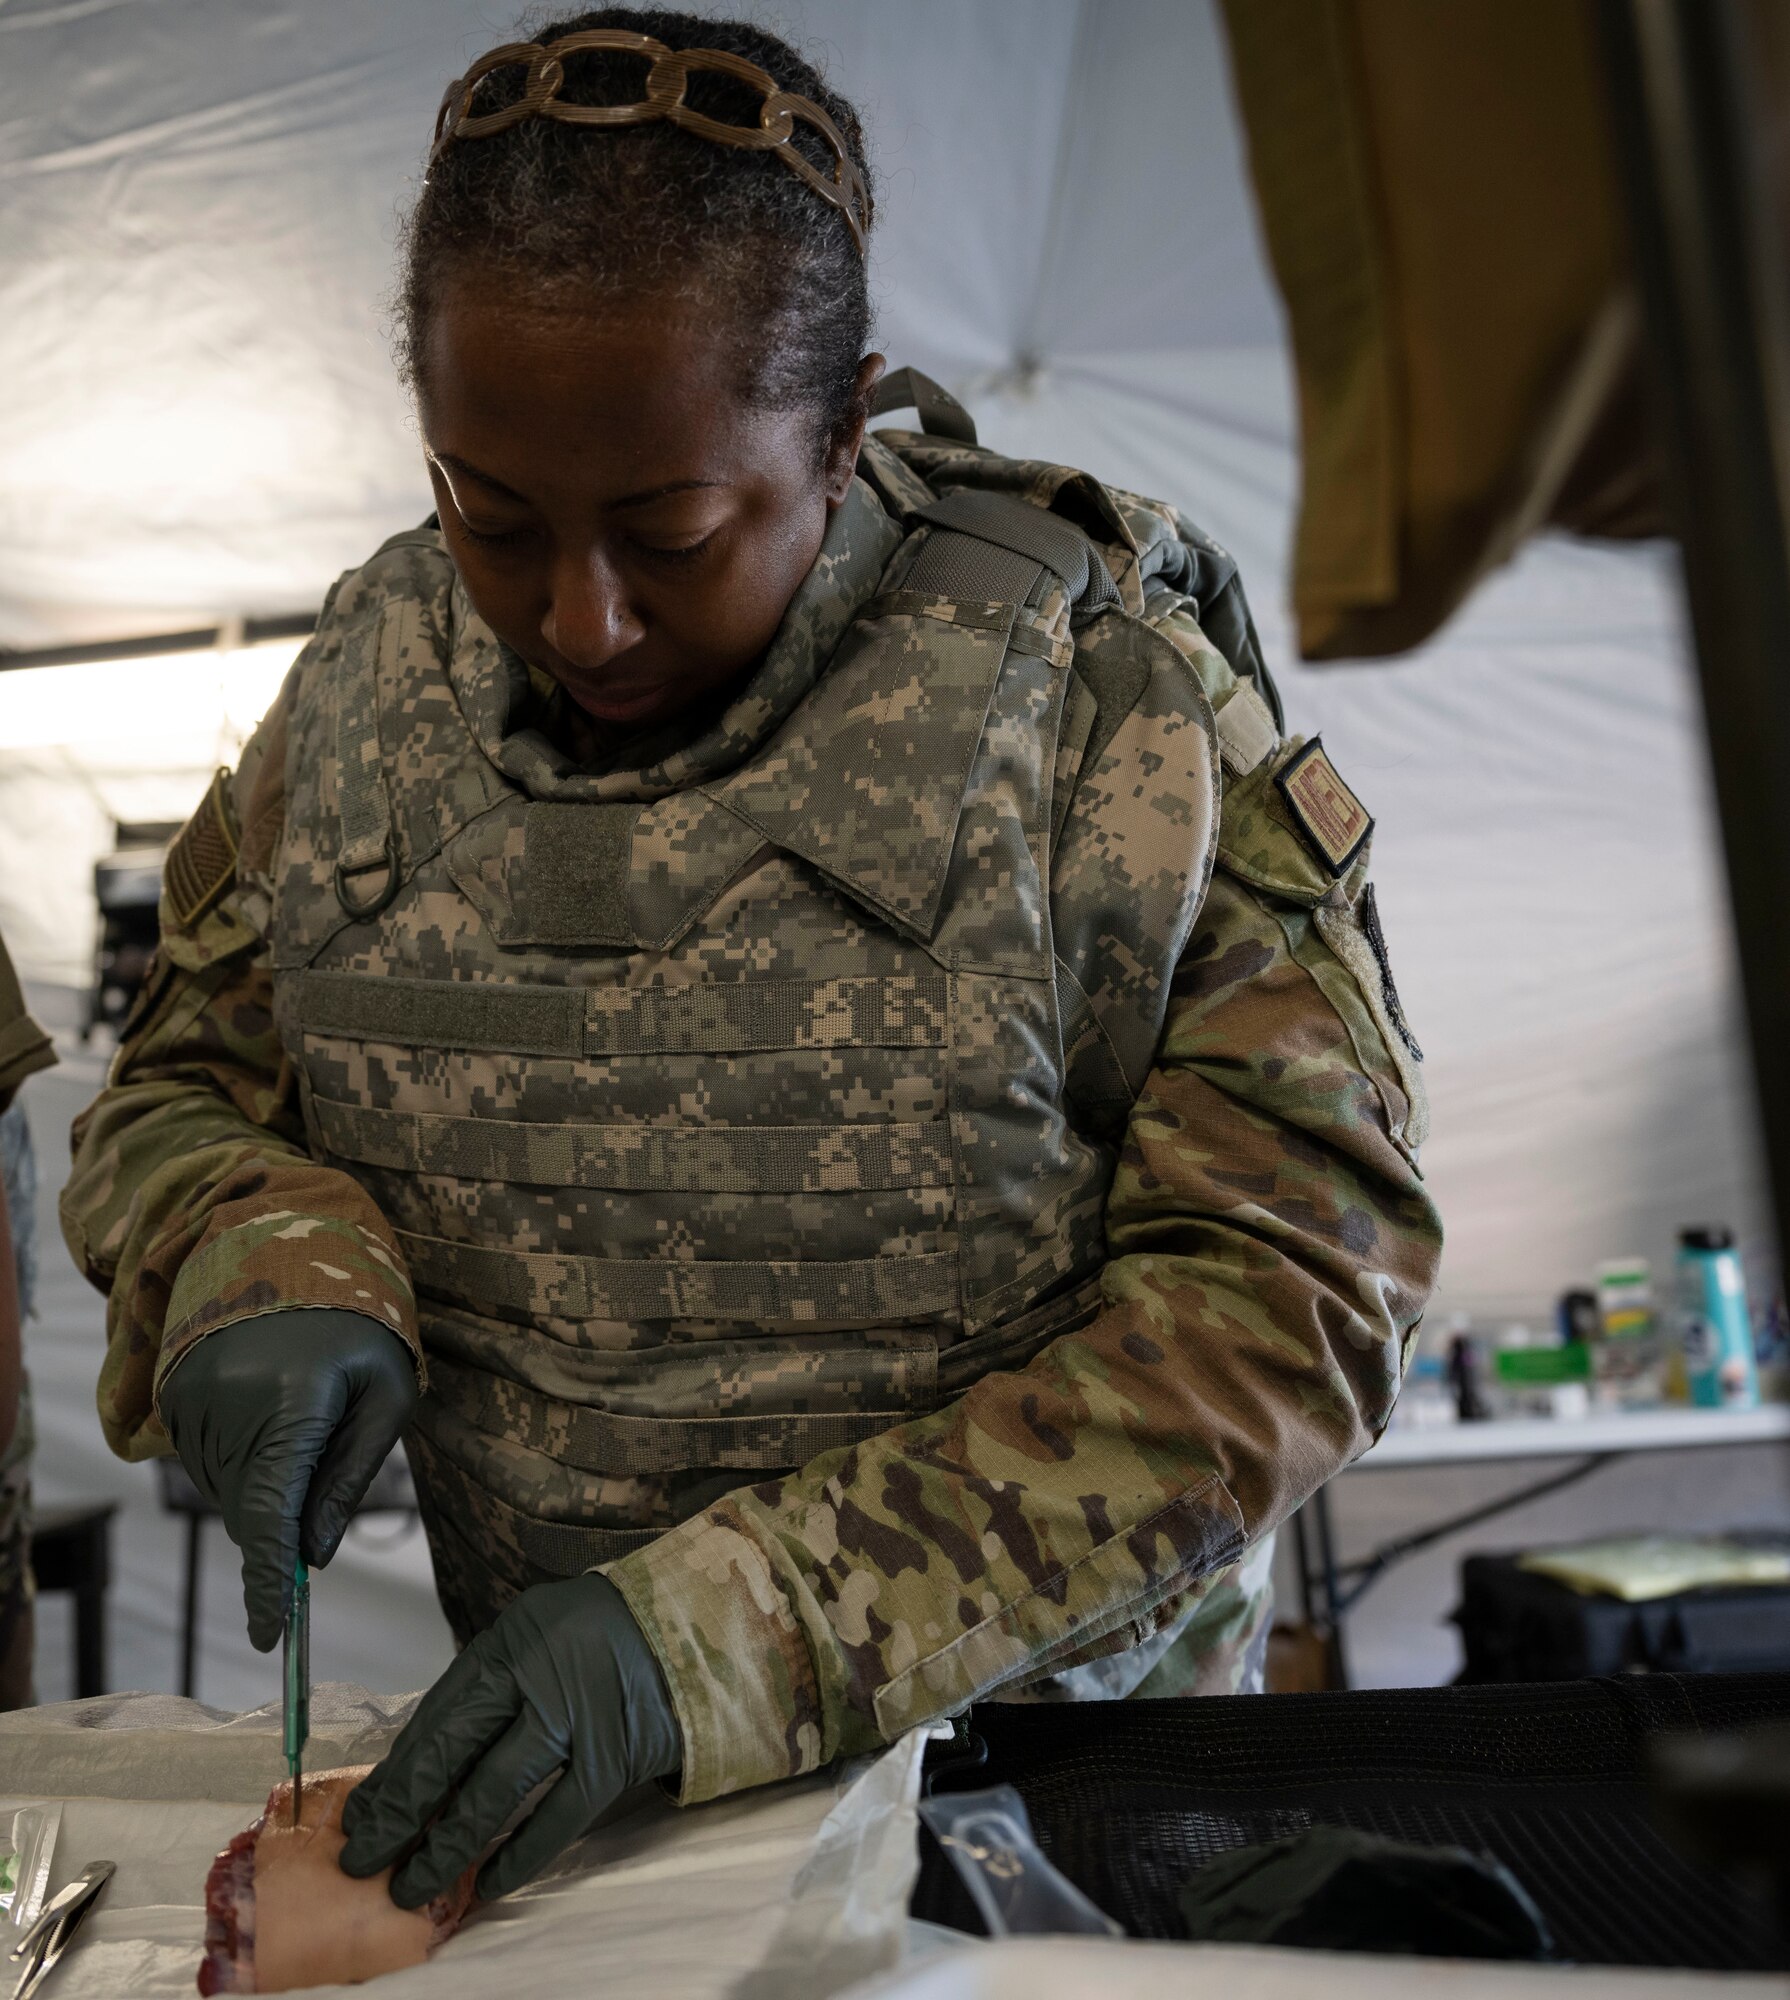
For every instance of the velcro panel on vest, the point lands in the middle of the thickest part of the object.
(908, 1010)
(1022, 530)
(576, 861)
(1116, 678)
(700, 1159)
(619, 1446)
(1246, 731)
(871, 1291)
(442, 1013)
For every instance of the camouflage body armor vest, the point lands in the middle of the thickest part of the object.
(734, 1109)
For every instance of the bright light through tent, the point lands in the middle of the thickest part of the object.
(87, 747)
(201, 704)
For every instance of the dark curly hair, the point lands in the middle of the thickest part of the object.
(565, 213)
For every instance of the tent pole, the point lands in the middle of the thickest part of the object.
(1709, 255)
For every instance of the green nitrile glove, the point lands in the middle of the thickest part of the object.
(563, 1681)
(281, 1422)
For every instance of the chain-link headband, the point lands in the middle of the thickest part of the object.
(665, 81)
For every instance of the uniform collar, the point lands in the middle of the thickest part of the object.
(503, 712)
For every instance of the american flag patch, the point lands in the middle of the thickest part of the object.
(1333, 820)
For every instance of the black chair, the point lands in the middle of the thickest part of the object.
(392, 1492)
(71, 1550)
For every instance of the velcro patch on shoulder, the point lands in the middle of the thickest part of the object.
(1246, 731)
(201, 864)
(1333, 820)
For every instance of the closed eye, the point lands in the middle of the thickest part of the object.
(687, 552)
(492, 539)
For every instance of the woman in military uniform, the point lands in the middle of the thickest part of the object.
(773, 999)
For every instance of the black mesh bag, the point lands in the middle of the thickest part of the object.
(1129, 1798)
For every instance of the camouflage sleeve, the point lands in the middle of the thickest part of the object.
(1271, 1248)
(193, 1200)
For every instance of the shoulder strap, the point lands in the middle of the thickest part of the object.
(1014, 528)
(941, 414)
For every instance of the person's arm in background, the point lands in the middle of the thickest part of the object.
(1271, 1248)
(193, 1202)
(24, 1049)
(12, 1343)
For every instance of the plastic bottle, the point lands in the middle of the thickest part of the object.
(1628, 1358)
(1715, 1328)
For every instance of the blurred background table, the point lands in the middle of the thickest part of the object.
(1330, 1586)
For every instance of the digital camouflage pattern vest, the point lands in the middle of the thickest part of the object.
(735, 1105)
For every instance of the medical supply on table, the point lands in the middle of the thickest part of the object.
(25, 1863)
(987, 1837)
(1466, 1370)
(1628, 1357)
(1538, 1378)
(1714, 1323)
(40, 1950)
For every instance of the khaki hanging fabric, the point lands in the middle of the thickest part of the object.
(1441, 209)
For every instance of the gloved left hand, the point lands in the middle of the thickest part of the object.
(564, 1678)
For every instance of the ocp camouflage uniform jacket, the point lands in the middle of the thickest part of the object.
(1268, 1242)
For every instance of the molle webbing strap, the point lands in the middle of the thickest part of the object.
(687, 1159)
(363, 806)
(621, 1447)
(1023, 530)
(540, 1284)
(478, 1519)
(1017, 1341)
(909, 1010)
(903, 1011)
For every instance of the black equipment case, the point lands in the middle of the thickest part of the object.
(1517, 1626)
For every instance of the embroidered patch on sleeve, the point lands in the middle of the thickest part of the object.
(201, 864)
(1333, 820)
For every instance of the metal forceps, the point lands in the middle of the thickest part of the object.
(42, 1946)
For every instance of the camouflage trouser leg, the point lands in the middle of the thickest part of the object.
(1223, 1647)
(18, 1178)
(17, 1597)
(1217, 1643)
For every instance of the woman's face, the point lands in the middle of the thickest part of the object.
(619, 517)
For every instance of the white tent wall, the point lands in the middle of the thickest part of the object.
(198, 201)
